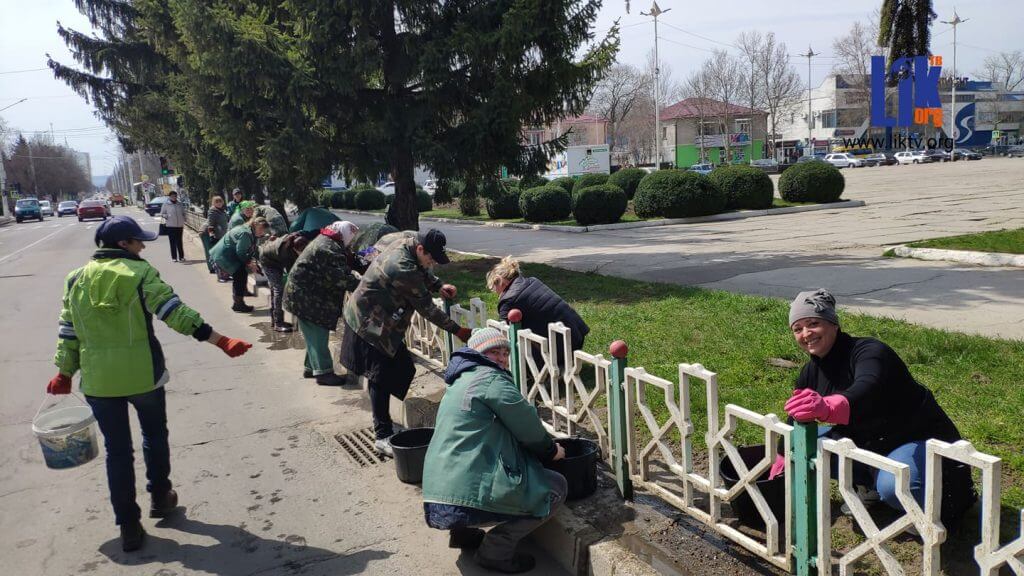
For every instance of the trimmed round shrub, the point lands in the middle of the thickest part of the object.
(677, 194)
(424, 203)
(350, 198)
(588, 180)
(744, 186)
(371, 199)
(601, 204)
(510, 182)
(505, 204)
(627, 179)
(545, 204)
(469, 205)
(532, 181)
(338, 199)
(811, 182)
(566, 182)
(323, 198)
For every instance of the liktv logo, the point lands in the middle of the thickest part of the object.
(917, 91)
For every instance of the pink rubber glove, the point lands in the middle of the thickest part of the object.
(806, 405)
(778, 467)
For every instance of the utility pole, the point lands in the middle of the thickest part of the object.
(954, 131)
(810, 118)
(32, 168)
(655, 12)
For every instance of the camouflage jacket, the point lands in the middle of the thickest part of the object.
(394, 287)
(318, 281)
(278, 226)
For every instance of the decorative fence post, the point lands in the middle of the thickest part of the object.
(515, 316)
(617, 407)
(805, 512)
(449, 339)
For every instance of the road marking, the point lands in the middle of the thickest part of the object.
(89, 227)
(20, 250)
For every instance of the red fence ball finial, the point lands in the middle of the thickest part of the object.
(618, 349)
(515, 315)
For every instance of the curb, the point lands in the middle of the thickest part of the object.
(739, 215)
(4, 221)
(583, 551)
(962, 256)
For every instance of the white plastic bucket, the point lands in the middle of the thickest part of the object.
(66, 435)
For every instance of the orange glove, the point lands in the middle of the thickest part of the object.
(464, 333)
(60, 384)
(233, 347)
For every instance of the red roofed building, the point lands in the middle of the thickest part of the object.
(695, 123)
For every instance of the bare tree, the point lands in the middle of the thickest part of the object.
(782, 87)
(724, 74)
(1005, 69)
(698, 91)
(853, 52)
(616, 96)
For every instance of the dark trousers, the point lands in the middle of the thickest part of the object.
(275, 278)
(240, 282)
(386, 376)
(112, 416)
(177, 247)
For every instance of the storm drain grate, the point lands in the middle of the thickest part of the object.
(359, 446)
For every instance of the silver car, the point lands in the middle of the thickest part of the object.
(844, 160)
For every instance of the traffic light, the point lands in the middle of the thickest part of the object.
(165, 167)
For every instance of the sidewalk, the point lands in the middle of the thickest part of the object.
(265, 488)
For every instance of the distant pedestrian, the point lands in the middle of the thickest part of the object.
(276, 259)
(315, 291)
(173, 213)
(215, 228)
(398, 282)
(236, 199)
(236, 254)
(243, 213)
(106, 331)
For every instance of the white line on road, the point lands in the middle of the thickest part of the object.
(89, 227)
(20, 250)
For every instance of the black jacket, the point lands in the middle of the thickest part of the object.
(888, 408)
(541, 306)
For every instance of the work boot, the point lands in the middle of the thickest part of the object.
(280, 325)
(161, 506)
(331, 379)
(241, 306)
(518, 563)
(466, 538)
(307, 374)
(132, 535)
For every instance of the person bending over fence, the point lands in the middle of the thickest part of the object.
(484, 464)
(864, 391)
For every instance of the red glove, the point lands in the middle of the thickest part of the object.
(60, 384)
(464, 334)
(233, 347)
(448, 291)
(806, 405)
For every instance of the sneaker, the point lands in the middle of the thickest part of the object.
(132, 535)
(331, 379)
(518, 563)
(466, 538)
(383, 446)
(161, 506)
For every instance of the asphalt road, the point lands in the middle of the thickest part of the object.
(264, 486)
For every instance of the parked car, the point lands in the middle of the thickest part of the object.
(937, 155)
(27, 209)
(912, 157)
(1015, 151)
(67, 207)
(966, 155)
(153, 206)
(769, 165)
(844, 160)
(92, 209)
(880, 159)
(430, 186)
(45, 208)
(388, 188)
(814, 158)
(701, 168)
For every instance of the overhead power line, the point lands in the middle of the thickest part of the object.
(23, 71)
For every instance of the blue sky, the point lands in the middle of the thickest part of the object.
(28, 32)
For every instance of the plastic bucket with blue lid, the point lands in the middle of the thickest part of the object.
(66, 435)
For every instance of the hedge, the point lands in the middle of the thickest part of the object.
(532, 181)
(424, 202)
(601, 204)
(588, 180)
(545, 204)
(566, 182)
(677, 194)
(811, 182)
(744, 186)
(370, 199)
(505, 204)
(627, 179)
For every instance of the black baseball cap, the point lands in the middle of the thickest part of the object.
(433, 242)
(120, 228)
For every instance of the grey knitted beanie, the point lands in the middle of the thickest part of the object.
(818, 303)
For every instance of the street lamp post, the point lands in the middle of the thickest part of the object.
(810, 139)
(655, 12)
(952, 111)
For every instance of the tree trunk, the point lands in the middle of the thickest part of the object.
(402, 213)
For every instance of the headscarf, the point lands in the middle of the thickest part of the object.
(342, 229)
(244, 204)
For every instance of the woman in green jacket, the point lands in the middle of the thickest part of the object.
(235, 254)
(484, 463)
(106, 332)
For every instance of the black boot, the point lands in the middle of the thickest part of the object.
(132, 535)
(466, 538)
(518, 563)
(331, 379)
(161, 506)
(240, 305)
(279, 324)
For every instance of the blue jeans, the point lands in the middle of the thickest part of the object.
(912, 454)
(112, 416)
